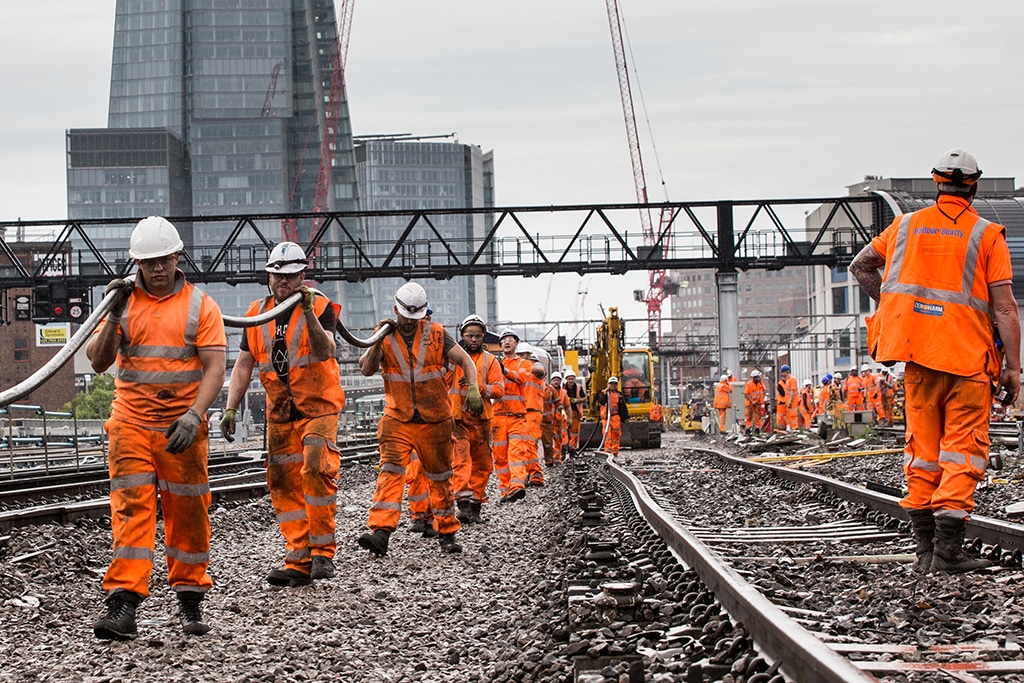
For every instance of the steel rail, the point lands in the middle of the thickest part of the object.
(804, 657)
(1008, 535)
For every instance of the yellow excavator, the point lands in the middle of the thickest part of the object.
(634, 366)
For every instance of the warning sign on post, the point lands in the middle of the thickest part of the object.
(53, 334)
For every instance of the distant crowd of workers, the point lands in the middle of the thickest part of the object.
(454, 413)
(803, 407)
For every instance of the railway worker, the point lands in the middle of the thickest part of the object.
(535, 391)
(614, 412)
(723, 400)
(887, 388)
(417, 492)
(577, 400)
(824, 406)
(872, 396)
(853, 389)
(417, 416)
(167, 339)
(753, 400)
(838, 400)
(806, 407)
(562, 415)
(472, 461)
(945, 287)
(295, 357)
(786, 391)
(509, 438)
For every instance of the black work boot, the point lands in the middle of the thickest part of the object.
(474, 513)
(376, 542)
(464, 514)
(923, 523)
(288, 577)
(190, 612)
(949, 548)
(323, 567)
(119, 622)
(449, 544)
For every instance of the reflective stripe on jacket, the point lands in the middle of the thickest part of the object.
(313, 386)
(520, 371)
(414, 377)
(489, 379)
(753, 393)
(935, 309)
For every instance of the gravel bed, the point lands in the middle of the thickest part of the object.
(854, 601)
(494, 613)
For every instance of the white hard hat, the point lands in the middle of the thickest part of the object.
(838, 375)
(508, 332)
(808, 383)
(613, 378)
(723, 378)
(473, 319)
(411, 301)
(956, 169)
(755, 373)
(287, 257)
(569, 372)
(865, 368)
(154, 237)
(556, 375)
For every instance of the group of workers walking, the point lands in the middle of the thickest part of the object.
(454, 412)
(803, 407)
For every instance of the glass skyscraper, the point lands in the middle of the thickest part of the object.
(218, 107)
(397, 175)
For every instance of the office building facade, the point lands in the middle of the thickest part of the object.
(219, 107)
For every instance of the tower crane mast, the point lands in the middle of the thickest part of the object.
(659, 287)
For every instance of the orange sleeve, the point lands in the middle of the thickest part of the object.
(997, 266)
(211, 325)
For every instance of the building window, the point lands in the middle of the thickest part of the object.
(21, 351)
(839, 274)
(843, 352)
(865, 301)
(839, 300)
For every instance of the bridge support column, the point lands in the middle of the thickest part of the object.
(728, 322)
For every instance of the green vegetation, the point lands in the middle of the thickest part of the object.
(94, 403)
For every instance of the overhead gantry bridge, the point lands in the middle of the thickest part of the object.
(528, 241)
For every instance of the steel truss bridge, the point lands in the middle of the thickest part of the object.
(441, 244)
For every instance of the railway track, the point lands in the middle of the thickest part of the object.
(64, 498)
(815, 570)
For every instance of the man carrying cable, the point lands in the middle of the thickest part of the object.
(298, 370)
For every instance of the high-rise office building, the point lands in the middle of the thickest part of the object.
(411, 175)
(218, 107)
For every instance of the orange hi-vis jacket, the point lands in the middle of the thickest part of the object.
(789, 386)
(753, 393)
(414, 377)
(854, 389)
(535, 390)
(723, 390)
(824, 398)
(935, 309)
(520, 371)
(489, 379)
(158, 368)
(313, 386)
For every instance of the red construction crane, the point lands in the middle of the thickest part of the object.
(332, 114)
(660, 288)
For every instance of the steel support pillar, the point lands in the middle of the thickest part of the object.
(728, 322)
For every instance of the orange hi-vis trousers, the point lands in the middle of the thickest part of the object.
(535, 430)
(510, 447)
(472, 461)
(557, 438)
(947, 440)
(140, 466)
(432, 442)
(722, 414)
(418, 492)
(574, 429)
(302, 472)
(547, 439)
(612, 429)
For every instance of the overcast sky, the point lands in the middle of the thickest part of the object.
(745, 99)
